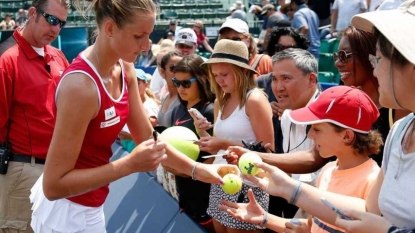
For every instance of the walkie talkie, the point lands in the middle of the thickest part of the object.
(5, 153)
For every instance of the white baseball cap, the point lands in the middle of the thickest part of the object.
(186, 36)
(398, 26)
(236, 25)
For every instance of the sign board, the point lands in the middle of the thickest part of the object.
(212, 31)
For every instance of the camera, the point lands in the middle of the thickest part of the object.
(4, 159)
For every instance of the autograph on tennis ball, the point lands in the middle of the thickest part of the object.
(246, 163)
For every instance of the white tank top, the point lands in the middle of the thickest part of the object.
(236, 127)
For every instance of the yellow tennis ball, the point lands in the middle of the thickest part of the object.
(232, 184)
(182, 139)
(246, 163)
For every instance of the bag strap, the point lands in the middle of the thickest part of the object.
(392, 139)
(257, 60)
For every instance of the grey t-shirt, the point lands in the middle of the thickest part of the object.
(164, 118)
(396, 194)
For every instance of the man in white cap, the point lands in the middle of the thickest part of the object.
(186, 41)
(238, 26)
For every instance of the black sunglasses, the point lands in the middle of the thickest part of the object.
(342, 55)
(52, 20)
(281, 47)
(184, 83)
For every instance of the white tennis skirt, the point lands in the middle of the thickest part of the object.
(63, 216)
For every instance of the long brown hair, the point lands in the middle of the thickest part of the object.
(362, 44)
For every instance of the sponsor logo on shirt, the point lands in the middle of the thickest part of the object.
(109, 123)
(110, 113)
(178, 122)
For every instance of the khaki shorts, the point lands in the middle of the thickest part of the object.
(15, 206)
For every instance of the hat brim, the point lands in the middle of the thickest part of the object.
(231, 27)
(230, 61)
(188, 43)
(397, 26)
(264, 12)
(304, 116)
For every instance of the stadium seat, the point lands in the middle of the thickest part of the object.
(205, 54)
(336, 45)
(337, 78)
(6, 7)
(183, 14)
(329, 46)
(28, 4)
(210, 15)
(165, 6)
(190, 5)
(197, 15)
(215, 5)
(178, 5)
(325, 86)
(327, 77)
(326, 63)
(222, 14)
(170, 15)
(18, 5)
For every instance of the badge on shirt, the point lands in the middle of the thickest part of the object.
(109, 123)
(109, 113)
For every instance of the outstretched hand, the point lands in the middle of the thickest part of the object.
(273, 181)
(250, 212)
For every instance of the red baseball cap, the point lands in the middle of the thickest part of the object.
(347, 107)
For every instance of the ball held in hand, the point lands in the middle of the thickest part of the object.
(246, 163)
(232, 184)
(182, 139)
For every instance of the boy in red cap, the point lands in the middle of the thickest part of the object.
(341, 120)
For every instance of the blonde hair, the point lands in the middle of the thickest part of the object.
(40, 4)
(120, 11)
(199, 22)
(244, 81)
(151, 95)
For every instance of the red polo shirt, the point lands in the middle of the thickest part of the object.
(27, 88)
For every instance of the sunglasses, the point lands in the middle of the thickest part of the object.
(196, 26)
(184, 83)
(343, 56)
(281, 47)
(374, 60)
(52, 20)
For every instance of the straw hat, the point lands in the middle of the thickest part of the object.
(398, 26)
(232, 52)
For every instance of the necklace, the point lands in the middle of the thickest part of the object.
(105, 80)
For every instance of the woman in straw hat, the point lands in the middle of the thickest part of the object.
(392, 194)
(242, 112)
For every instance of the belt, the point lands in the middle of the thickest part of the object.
(25, 159)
